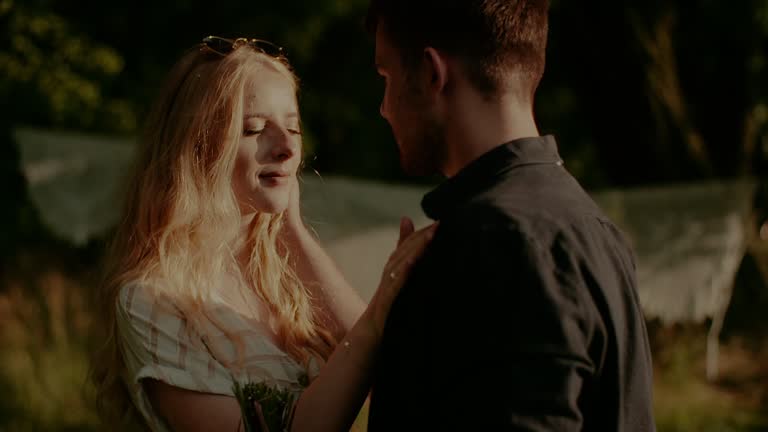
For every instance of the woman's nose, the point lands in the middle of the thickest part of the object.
(284, 147)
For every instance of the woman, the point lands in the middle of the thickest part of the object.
(213, 280)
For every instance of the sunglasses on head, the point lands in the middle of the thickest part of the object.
(224, 46)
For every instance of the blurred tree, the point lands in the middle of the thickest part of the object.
(710, 85)
(55, 75)
(660, 90)
(636, 92)
(50, 76)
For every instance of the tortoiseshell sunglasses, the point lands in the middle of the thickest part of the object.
(224, 46)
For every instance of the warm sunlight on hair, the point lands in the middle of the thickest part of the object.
(181, 220)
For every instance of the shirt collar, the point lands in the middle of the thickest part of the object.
(486, 170)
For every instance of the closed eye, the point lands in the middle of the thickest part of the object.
(252, 132)
(294, 131)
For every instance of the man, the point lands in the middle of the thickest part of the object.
(523, 314)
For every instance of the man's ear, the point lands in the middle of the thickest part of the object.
(436, 70)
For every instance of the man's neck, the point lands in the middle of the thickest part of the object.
(479, 125)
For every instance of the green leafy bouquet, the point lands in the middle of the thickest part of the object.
(265, 407)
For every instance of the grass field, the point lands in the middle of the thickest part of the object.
(43, 363)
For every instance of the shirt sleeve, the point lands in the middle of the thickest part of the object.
(157, 343)
(528, 326)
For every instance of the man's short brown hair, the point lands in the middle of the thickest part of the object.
(495, 39)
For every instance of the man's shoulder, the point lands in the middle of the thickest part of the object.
(511, 218)
(482, 230)
(490, 218)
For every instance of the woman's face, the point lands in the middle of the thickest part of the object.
(269, 148)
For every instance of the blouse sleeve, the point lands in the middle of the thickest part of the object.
(157, 343)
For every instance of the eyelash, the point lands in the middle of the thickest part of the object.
(253, 132)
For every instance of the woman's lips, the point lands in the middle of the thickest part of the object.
(274, 177)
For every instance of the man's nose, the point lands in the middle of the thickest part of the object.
(383, 107)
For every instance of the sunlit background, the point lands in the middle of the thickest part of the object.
(660, 109)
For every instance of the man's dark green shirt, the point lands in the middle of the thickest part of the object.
(523, 314)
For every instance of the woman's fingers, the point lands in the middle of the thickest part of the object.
(294, 202)
(413, 246)
(406, 229)
(409, 251)
(396, 272)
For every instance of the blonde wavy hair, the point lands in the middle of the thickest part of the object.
(181, 219)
